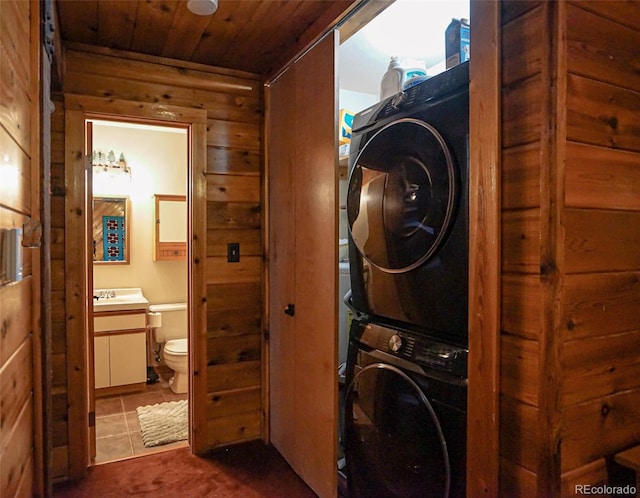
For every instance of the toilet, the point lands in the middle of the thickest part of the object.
(176, 357)
(169, 325)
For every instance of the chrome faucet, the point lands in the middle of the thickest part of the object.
(105, 294)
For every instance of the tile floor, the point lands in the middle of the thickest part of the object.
(117, 426)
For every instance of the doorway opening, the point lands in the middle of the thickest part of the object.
(134, 166)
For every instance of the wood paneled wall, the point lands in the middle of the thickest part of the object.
(20, 340)
(526, 193)
(234, 295)
(599, 318)
(59, 403)
(570, 359)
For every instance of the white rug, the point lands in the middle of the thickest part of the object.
(163, 423)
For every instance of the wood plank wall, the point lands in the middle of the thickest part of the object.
(19, 203)
(522, 61)
(233, 101)
(59, 402)
(599, 322)
(570, 316)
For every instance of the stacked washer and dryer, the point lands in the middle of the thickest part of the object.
(407, 206)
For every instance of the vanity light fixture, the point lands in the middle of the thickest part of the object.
(202, 7)
(107, 163)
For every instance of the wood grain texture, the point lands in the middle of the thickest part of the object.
(15, 315)
(75, 292)
(220, 271)
(598, 367)
(521, 306)
(223, 215)
(303, 352)
(519, 433)
(519, 369)
(198, 306)
(603, 42)
(521, 121)
(483, 419)
(600, 304)
(222, 323)
(224, 160)
(15, 171)
(223, 431)
(251, 35)
(250, 242)
(279, 234)
(230, 376)
(520, 182)
(231, 349)
(602, 178)
(516, 481)
(16, 73)
(594, 473)
(23, 440)
(599, 427)
(233, 188)
(520, 241)
(514, 10)
(598, 319)
(522, 40)
(602, 114)
(233, 402)
(552, 264)
(602, 240)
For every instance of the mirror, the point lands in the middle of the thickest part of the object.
(171, 227)
(111, 230)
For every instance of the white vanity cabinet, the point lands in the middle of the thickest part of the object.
(120, 348)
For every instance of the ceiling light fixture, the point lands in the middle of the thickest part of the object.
(202, 7)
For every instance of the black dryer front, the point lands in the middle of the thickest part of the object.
(407, 206)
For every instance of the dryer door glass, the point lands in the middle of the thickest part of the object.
(394, 444)
(402, 195)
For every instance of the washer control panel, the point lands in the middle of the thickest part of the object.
(418, 349)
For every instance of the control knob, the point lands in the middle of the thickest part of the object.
(395, 343)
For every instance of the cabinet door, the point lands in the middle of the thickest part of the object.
(303, 268)
(101, 361)
(128, 358)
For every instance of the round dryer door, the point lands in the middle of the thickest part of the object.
(402, 195)
(394, 444)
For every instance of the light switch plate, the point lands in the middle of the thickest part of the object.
(233, 252)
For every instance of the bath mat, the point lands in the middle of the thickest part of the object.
(163, 423)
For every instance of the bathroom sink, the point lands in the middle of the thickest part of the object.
(119, 299)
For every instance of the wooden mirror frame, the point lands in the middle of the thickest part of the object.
(167, 250)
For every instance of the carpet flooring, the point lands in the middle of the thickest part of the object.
(251, 470)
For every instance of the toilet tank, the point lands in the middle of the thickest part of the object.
(174, 321)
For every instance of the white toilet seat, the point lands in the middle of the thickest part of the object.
(175, 355)
(177, 347)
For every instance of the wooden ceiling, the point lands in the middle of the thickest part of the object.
(258, 36)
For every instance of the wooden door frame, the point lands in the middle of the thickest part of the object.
(483, 415)
(78, 108)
